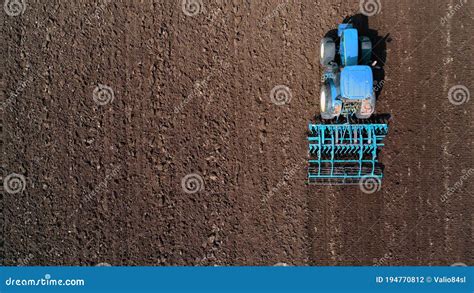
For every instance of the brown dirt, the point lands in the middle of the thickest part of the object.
(192, 95)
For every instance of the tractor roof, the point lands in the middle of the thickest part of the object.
(356, 82)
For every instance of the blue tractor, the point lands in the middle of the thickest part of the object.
(344, 146)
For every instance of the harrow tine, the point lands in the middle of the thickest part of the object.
(345, 151)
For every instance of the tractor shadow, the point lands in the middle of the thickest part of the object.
(379, 47)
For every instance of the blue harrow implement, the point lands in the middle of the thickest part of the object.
(344, 149)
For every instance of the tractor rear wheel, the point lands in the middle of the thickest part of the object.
(366, 50)
(327, 51)
(326, 102)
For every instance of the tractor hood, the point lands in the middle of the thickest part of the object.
(357, 82)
